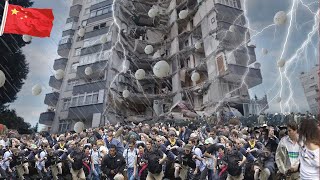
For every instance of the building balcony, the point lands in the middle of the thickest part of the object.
(55, 83)
(69, 32)
(98, 18)
(46, 118)
(75, 10)
(96, 33)
(229, 14)
(95, 48)
(97, 69)
(89, 87)
(85, 112)
(64, 48)
(60, 64)
(72, 19)
(235, 73)
(51, 99)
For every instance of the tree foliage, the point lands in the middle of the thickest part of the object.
(9, 118)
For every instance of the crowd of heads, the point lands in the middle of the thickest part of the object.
(160, 150)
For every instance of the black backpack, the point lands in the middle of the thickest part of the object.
(153, 163)
(233, 168)
(78, 159)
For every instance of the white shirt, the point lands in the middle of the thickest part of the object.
(309, 164)
(41, 164)
(5, 164)
(293, 151)
(130, 157)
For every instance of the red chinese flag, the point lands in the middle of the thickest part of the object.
(29, 21)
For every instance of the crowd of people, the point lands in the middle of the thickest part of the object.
(166, 151)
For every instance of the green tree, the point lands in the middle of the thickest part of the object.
(9, 118)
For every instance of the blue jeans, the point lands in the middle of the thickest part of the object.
(96, 176)
(130, 173)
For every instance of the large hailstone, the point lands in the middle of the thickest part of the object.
(161, 69)
(140, 74)
(281, 63)
(81, 32)
(280, 18)
(78, 127)
(257, 65)
(153, 13)
(183, 14)
(88, 71)
(125, 93)
(232, 28)
(198, 45)
(148, 49)
(104, 39)
(36, 90)
(26, 38)
(2, 78)
(195, 77)
(264, 51)
(59, 74)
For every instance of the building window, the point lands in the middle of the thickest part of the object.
(77, 52)
(231, 3)
(87, 11)
(92, 41)
(101, 11)
(81, 100)
(74, 67)
(66, 104)
(84, 23)
(65, 39)
(100, 26)
(64, 126)
(85, 99)
(70, 84)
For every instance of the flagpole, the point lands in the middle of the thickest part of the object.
(4, 17)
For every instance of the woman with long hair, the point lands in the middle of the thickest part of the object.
(310, 150)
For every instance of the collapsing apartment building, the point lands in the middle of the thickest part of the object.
(203, 46)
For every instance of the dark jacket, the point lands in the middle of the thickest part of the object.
(185, 136)
(116, 163)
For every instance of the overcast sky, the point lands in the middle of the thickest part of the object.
(41, 53)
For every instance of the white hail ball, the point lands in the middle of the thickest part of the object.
(88, 71)
(126, 93)
(183, 14)
(161, 69)
(81, 32)
(232, 28)
(281, 63)
(148, 49)
(195, 77)
(152, 13)
(265, 51)
(59, 74)
(78, 127)
(280, 18)
(104, 39)
(2, 78)
(257, 65)
(26, 38)
(198, 45)
(140, 74)
(36, 90)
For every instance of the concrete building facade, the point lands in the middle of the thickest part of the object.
(204, 42)
(310, 83)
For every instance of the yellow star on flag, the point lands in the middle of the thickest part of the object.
(14, 11)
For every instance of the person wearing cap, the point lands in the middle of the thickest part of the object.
(184, 161)
(287, 153)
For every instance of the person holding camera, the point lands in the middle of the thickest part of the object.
(130, 155)
(155, 158)
(141, 165)
(76, 158)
